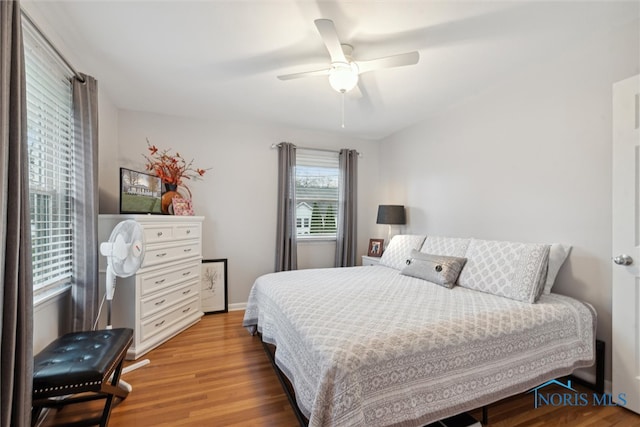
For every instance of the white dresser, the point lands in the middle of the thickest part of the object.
(163, 297)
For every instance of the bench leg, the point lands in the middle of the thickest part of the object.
(112, 391)
(108, 392)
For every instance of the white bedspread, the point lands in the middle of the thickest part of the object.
(367, 346)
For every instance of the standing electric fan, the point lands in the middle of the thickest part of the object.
(125, 253)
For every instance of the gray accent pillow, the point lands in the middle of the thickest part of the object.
(439, 269)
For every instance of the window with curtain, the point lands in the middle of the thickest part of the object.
(317, 181)
(51, 157)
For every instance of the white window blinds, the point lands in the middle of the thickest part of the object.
(317, 178)
(49, 128)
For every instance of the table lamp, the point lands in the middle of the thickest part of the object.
(391, 215)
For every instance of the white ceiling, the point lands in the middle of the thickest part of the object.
(220, 59)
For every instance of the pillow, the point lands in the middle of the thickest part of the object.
(449, 246)
(439, 269)
(512, 270)
(400, 246)
(558, 253)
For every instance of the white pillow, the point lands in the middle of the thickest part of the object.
(558, 253)
(399, 249)
(448, 246)
(509, 269)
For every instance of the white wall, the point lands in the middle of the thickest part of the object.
(238, 195)
(109, 195)
(527, 160)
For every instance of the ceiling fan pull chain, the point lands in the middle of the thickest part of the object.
(343, 109)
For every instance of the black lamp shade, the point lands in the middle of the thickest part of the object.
(391, 214)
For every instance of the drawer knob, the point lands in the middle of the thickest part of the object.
(158, 282)
(188, 250)
(188, 231)
(159, 233)
(186, 292)
(186, 273)
(160, 302)
(186, 309)
(159, 324)
(161, 254)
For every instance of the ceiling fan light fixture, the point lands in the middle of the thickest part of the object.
(343, 77)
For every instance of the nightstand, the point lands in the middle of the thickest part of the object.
(370, 260)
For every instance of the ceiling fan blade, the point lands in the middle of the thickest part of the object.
(330, 37)
(399, 60)
(323, 72)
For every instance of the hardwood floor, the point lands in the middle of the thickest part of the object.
(216, 374)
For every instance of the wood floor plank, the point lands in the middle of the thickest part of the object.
(216, 374)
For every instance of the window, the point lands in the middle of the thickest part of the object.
(317, 180)
(49, 128)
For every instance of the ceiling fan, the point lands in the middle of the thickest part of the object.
(344, 70)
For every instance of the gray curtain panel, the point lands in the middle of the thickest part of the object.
(346, 236)
(286, 242)
(16, 286)
(85, 244)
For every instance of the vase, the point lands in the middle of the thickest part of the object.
(170, 191)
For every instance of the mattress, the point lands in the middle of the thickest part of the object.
(367, 346)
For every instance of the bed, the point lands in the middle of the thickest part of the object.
(371, 346)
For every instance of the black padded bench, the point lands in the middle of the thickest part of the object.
(82, 364)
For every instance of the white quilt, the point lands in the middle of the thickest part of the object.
(367, 346)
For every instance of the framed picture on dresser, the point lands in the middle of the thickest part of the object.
(213, 285)
(140, 192)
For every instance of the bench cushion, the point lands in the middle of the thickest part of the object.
(79, 361)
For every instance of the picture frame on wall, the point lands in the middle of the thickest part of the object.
(213, 285)
(140, 193)
(375, 247)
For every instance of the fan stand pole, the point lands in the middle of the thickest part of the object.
(110, 292)
(109, 325)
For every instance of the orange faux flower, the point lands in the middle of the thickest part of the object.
(171, 168)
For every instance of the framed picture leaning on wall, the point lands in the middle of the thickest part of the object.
(213, 289)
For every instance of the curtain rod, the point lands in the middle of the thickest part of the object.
(52, 46)
(316, 149)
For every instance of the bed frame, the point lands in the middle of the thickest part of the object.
(597, 386)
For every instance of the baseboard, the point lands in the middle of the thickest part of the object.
(589, 377)
(237, 306)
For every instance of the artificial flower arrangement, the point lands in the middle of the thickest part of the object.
(172, 169)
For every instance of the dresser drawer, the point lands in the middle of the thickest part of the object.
(186, 231)
(157, 233)
(167, 277)
(162, 300)
(165, 253)
(170, 317)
